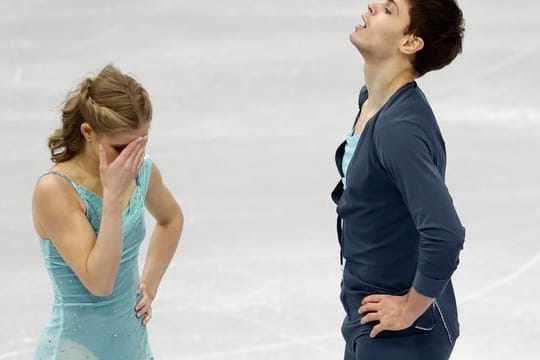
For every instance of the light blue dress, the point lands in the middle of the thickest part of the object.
(85, 326)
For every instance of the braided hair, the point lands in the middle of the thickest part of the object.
(108, 102)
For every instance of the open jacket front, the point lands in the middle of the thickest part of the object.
(397, 225)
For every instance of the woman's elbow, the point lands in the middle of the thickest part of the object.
(177, 220)
(100, 289)
(102, 292)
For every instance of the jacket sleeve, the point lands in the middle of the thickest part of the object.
(406, 155)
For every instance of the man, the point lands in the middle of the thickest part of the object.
(399, 233)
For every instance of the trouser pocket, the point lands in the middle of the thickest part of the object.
(423, 325)
(352, 326)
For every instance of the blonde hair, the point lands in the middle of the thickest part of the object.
(108, 102)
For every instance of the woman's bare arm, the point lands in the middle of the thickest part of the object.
(94, 259)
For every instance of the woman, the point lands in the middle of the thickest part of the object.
(400, 235)
(88, 212)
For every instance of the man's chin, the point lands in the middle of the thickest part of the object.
(353, 37)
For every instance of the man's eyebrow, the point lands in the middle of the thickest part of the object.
(393, 2)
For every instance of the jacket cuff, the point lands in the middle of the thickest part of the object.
(427, 286)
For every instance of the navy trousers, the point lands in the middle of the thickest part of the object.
(406, 345)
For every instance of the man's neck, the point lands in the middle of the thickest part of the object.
(383, 80)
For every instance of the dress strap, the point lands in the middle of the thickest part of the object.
(59, 174)
(65, 177)
(79, 190)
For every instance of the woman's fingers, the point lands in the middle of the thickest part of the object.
(124, 161)
(148, 316)
(139, 155)
(141, 160)
(117, 175)
(140, 304)
(103, 164)
(144, 309)
(134, 154)
(144, 306)
(129, 150)
(126, 157)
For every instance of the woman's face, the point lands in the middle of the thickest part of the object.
(381, 32)
(114, 143)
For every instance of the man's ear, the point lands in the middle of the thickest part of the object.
(411, 44)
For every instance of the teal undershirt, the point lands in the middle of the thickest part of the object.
(350, 147)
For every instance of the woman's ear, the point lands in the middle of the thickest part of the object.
(411, 44)
(87, 131)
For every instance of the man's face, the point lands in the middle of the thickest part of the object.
(381, 32)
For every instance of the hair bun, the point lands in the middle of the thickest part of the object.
(86, 85)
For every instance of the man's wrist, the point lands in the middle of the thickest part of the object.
(416, 304)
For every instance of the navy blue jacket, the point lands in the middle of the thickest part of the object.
(397, 225)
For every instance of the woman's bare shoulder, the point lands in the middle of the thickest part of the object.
(55, 189)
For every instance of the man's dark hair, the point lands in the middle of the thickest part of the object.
(440, 24)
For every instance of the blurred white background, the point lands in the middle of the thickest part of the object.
(251, 98)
